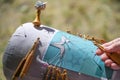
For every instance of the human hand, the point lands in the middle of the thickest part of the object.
(112, 46)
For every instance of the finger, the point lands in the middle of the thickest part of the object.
(108, 44)
(104, 57)
(118, 52)
(115, 66)
(99, 52)
(108, 62)
(111, 42)
(113, 48)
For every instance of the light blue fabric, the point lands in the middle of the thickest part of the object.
(76, 54)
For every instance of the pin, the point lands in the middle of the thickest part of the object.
(80, 35)
(68, 31)
(39, 6)
(100, 41)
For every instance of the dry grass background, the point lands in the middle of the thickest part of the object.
(99, 18)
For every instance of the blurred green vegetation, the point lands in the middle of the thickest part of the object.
(99, 18)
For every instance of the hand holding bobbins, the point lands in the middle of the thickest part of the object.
(110, 53)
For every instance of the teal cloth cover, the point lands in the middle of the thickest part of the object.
(76, 54)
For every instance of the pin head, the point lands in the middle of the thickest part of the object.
(40, 5)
